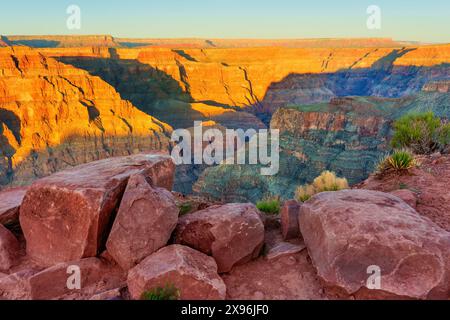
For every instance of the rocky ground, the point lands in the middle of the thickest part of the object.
(117, 225)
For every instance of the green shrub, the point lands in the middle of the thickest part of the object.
(169, 292)
(185, 208)
(423, 133)
(400, 160)
(327, 181)
(269, 206)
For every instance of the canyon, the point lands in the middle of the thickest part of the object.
(70, 100)
(87, 179)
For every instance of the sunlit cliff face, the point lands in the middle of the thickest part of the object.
(64, 106)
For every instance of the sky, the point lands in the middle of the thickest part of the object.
(413, 20)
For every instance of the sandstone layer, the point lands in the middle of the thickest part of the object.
(237, 87)
(53, 116)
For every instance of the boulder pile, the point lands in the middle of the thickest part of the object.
(113, 229)
(92, 231)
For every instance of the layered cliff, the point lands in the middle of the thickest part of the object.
(265, 78)
(234, 87)
(348, 136)
(53, 116)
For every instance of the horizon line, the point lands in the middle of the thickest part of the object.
(223, 38)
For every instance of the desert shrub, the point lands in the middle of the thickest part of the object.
(400, 160)
(185, 208)
(169, 292)
(269, 206)
(423, 133)
(327, 181)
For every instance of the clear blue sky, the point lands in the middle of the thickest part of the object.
(421, 20)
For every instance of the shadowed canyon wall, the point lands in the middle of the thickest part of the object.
(126, 100)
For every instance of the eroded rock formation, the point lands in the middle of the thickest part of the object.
(66, 216)
(193, 273)
(350, 232)
(54, 116)
(348, 135)
(232, 234)
(155, 209)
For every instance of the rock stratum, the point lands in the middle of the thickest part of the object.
(127, 99)
(347, 135)
(53, 116)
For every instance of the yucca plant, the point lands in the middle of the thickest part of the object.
(400, 160)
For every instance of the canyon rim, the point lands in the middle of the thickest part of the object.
(288, 152)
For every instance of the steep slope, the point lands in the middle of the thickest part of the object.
(268, 78)
(53, 116)
(161, 88)
(348, 135)
(179, 86)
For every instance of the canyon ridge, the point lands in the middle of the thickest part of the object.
(88, 184)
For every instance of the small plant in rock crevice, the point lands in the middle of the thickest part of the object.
(168, 292)
(185, 208)
(270, 206)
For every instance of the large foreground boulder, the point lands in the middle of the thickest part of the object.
(66, 216)
(10, 201)
(193, 273)
(70, 280)
(232, 234)
(146, 219)
(406, 195)
(355, 235)
(9, 249)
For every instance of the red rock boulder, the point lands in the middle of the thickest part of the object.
(9, 249)
(406, 195)
(232, 234)
(10, 201)
(289, 220)
(193, 273)
(78, 280)
(146, 219)
(373, 245)
(65, 217)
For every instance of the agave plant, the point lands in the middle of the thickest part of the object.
(400, 160)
